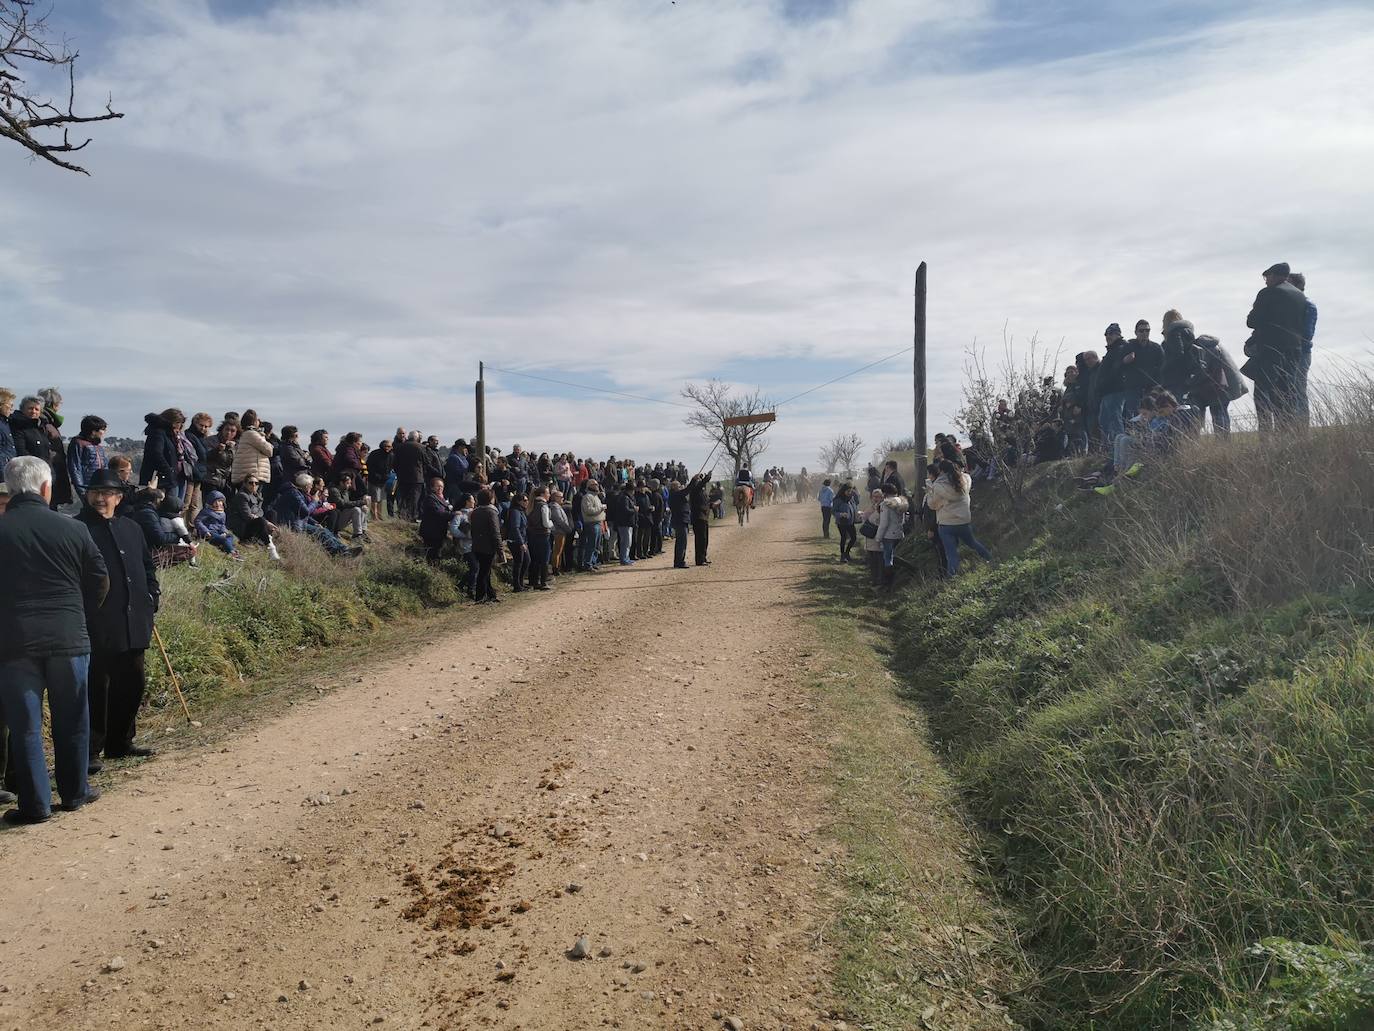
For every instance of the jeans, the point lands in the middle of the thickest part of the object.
(874, 558)
(889, 552)
(520, 564)
(825, 520)
(23, 682)
(331, 543)
(954, 535)
(589, 542)
(1109, 414)
(1304, 407)
(624, 536)
(1221, 418)
(539, 561)
(483, 589)
(679, 544)
(848, 536)
(1278, 402)
(1124, 452)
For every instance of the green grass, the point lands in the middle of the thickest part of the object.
(1166, 744)
(916, 940)
(242, 636)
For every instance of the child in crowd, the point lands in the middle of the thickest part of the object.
(211, 523)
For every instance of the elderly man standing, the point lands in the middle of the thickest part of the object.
(120, 629)
(55, 570)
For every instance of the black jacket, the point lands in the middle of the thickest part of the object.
(293, 460)
(160, 453)
(700, 504)
(51, 568)
(408, 459)
(1109, 371)
(485, 527)
(1176, 374)
(242, 509)
(378, 467)
(1144, 372)
(1279, 321)
(30, 438)
(432, 463)
(124, 622)
(199, 470)
(1089, 390)
(680, 506)
(157, 530)
(622, 510)
(435, 514)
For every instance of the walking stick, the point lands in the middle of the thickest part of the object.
(171, 673)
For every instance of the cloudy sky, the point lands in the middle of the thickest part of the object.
(331, 210)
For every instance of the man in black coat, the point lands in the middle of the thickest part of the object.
(52, 570)
(120, 629)
(408, 462)
(1275, 349)
(700, 507)
(680, 509)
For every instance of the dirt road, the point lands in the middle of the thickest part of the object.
(628, 759)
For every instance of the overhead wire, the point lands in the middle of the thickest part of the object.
(855, 372)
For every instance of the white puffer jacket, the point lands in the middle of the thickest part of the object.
(890, 521)
(950, 505)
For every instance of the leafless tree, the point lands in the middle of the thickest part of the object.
(1019, 378)
(890, 445)
(839, 454)
(40, 124)
(715, 403)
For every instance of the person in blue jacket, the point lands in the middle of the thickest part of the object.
(517, 536)
(827, 499)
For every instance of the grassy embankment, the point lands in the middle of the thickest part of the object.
(241, 635)
(1159, 708)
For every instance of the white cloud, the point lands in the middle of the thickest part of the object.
(331, 212)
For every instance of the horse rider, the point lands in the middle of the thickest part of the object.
(744, 478)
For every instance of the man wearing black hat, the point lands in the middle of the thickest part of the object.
(1275, 348)
(121, 629)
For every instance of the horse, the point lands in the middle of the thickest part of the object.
(744, 500)
(767, 492)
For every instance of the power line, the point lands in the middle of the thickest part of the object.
(855, 372)
(587, 386)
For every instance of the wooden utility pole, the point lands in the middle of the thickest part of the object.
(919, 376)
(481, 414)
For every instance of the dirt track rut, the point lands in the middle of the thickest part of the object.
(640, 734)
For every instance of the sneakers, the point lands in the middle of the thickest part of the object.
(1106, 491)
(1135, 470)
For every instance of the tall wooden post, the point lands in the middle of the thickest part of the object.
(919, 377)
(481, 449)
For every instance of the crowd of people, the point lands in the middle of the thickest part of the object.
(1131, 405)
(88, 531)
(78, 632)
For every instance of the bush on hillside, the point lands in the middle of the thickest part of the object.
(225, 622)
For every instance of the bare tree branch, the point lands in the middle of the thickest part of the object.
(715, 404)
(840, 453)
(35, 122)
